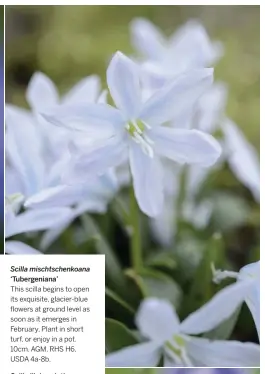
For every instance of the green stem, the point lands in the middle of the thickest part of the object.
(182, 195)
(136, 248)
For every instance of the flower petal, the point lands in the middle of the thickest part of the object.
(211, 107)
(13, 247)
(186, 146)
(250, 271)
(96, 120)
(138, 355)
(157, 320)
(192, 43)
(204, 352)
(35, 220)
(96, 160)
(147, 39)
(124, 85)
(62, 195)
(147, 181)
(243, 158)
(174, 98)
(52, 234)
(41, 92)
(92, 206)
(218, 309)
(164, 226)
(25, 160)
(85, 91)
(253, 303)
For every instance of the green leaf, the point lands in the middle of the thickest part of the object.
(202, 288)
(153, 283)
(117, 305)
(117, 336)
(225, 329)
(114, 274)
(162, 259)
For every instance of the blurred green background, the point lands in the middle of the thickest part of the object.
(70, 42)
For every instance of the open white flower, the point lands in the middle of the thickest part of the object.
(136, 128)
(242, 157)
(29, 173)
(248, 278)
(188, 48)
(92, 197)
(29, 221)
(171, 339)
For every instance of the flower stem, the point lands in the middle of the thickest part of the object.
(181, 196)
(136, 248)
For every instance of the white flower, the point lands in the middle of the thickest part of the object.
(248, 278)
(30, 174)
(188, 48)
(164, 226)
(171, 339)
(135, 129)
(29, 221)
(242, 157)
(42, 94)
(92, 197)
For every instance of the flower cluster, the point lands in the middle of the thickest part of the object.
(155, 130)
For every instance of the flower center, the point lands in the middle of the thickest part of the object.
(12, 202)
(137, 130)
(178, 348)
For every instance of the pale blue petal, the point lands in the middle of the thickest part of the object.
(242, 157)
(174, 98)
(157, 320)
(13, 247)
(217, 310)
(13, 182)
(85, 91)
(96, 120)
(253, 303)
(124, 85)
(96, 160)
(164, 226)
(36, 220)
(62, 195)
(138, 355)
(147, 39)
(211, 108)
(41, 92)
(52, 234)
(186, 146)
(92, 206)
(204, 352)
(250, 271)
(194, 46)
(25, 160)
(147, 176)
(103, 97)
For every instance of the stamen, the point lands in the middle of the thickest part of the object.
(177, 347)
(147, 126)
(150, 141)
(219, 275)
(136, 130)
(145, 146)
(137, 127)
